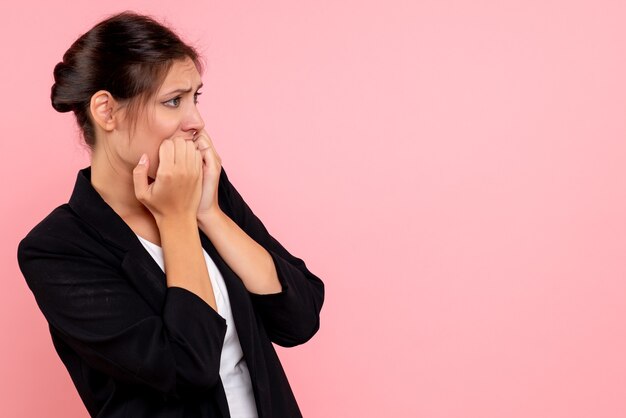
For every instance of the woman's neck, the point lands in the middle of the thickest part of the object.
(113, 180)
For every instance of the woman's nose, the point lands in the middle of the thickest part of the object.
(194, 121)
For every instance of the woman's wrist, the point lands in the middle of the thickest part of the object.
(176, 223)
(208, 217)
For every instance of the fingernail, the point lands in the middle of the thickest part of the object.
(143, 159)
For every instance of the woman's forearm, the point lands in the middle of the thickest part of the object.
(184, 261)
(249, 260)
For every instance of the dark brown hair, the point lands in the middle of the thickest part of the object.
(127, 55)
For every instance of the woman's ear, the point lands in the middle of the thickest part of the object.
(102, 107)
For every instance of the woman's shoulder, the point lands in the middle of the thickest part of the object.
(58, 221)
(61, 225)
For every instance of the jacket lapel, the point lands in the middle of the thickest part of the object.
(240, 305)
(136, 263)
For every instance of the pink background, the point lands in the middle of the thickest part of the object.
(453, 170)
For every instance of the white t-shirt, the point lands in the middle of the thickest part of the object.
(233, 368)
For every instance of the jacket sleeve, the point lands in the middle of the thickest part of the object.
(96, 311)
(292, 316)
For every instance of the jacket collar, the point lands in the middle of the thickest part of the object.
(92, 208)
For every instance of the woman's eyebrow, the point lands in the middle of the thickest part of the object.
(183, 90)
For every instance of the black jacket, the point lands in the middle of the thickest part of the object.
(136, 348)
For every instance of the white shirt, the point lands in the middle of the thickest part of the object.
(233, 368)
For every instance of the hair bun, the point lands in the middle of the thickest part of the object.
(58, 104)
(61, 100)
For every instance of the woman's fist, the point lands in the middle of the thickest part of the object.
(177, 188)
(211, 168)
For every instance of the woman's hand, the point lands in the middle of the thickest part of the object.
(177, 188)
(211, 168)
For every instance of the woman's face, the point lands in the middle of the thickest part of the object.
(171, 113)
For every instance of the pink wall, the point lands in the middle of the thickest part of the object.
(454, 170)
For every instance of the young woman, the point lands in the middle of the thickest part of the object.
(163, 291)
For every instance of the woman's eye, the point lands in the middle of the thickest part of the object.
(195, 97)
(173, 102)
